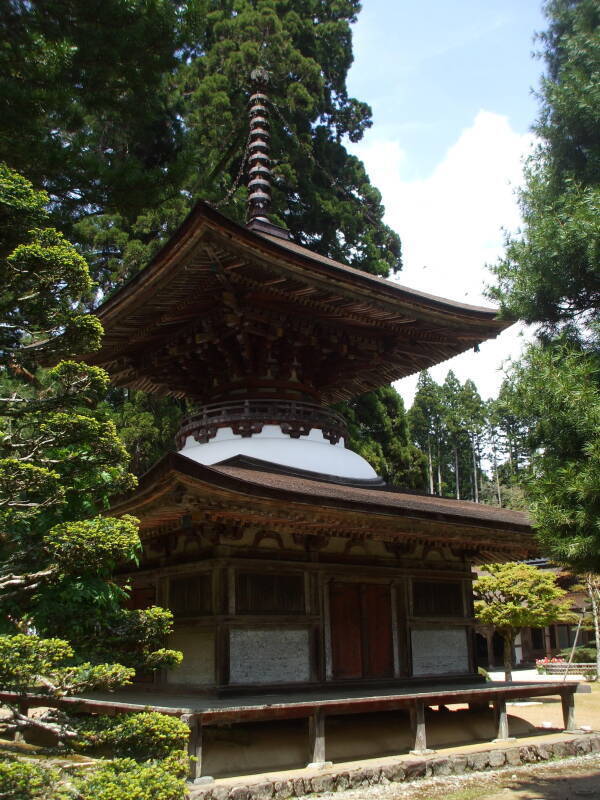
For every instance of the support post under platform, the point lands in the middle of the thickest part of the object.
(195, 749)
(316, 740)
(501, 720)
(419, 731)
(568, 708)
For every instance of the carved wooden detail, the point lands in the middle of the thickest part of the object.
(265, 535)
(248, 417)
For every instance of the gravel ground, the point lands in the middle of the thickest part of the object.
(566, 779)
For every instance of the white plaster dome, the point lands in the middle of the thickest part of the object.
(312, 452)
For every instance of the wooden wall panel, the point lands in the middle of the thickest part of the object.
(377, 630)
(346, 630)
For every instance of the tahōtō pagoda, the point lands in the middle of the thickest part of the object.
(288, 564)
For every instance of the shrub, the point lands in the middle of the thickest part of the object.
(582, 655)
(23, 781)
(143, 737)
(124, 779)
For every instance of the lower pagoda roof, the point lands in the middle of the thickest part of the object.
(222, 308)
(247, 492)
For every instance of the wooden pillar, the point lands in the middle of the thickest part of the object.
(501, 719)
(195, 747)
(547, 642)
(568, 709)
(316, 739)
(417, 724)
(489, 638)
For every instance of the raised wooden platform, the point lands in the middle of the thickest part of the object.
(201, 711)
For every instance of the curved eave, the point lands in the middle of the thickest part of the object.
(238, 482)
(203, 219)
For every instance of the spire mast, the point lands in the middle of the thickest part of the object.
(259, 161)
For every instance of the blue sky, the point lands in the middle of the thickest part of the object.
(450, 85)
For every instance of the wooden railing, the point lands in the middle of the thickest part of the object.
(247, 417)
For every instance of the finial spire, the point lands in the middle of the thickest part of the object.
(259, 183)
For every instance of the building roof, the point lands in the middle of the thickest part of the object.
(244, 491)
(222, 305)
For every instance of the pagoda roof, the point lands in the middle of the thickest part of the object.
(220, 297)
(245, 492)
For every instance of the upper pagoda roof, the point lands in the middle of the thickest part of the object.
(222, 306)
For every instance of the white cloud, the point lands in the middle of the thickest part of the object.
(451, 224)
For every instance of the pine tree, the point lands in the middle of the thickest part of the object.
(426, 426)
(550, 274)
(379, 431)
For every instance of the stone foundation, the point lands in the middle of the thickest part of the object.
(397, 770)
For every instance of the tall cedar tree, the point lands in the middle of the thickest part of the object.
(124, 144)
(551, 276)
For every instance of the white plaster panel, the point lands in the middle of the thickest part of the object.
(269, 656)
(198, 648)
(312, 452)
(439, 651)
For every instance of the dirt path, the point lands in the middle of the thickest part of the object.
(569, 779)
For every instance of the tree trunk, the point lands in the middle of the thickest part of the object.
(498, 491)
(456, 473)
(439, 471)
(592, 587)
(508, 637)
(475, 484)
(430, 466)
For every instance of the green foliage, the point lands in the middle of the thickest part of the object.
(378, 430)
(96, 545)
(582, 655)
(550, 273)
(126, 143)
(42, 279)
(143, 737)
(45, 666)
(556, 390)
(21, 780)
(512, 596)
(124, 779)
(60, 462)
(146, 423)
(471, 447)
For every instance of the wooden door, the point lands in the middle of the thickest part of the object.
(361, 630)
(346, 630)
(377, 630)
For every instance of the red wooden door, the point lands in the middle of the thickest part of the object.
(377, 630)
(346, 630)
(361, 630)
